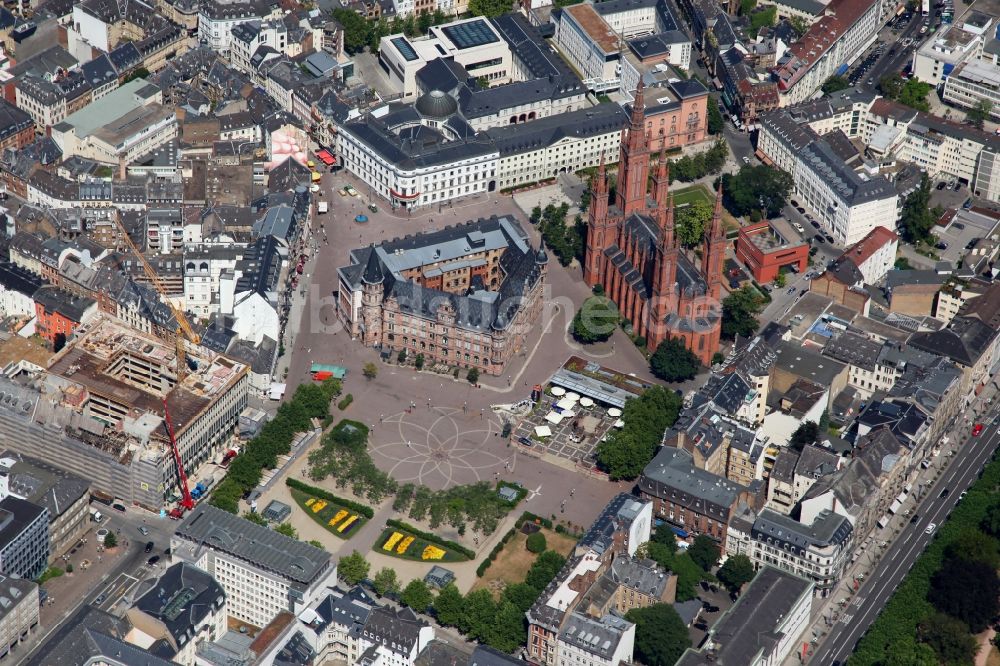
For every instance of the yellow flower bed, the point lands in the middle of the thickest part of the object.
(347, 523)
(309, 502)
(391, 542)
(336, 519)
(318, 506)
(404, 545)
(432, 553)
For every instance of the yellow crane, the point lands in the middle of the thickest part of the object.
(186, 332)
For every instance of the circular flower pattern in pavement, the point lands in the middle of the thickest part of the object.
(439, 447)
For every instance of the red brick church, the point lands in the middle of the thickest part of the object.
(633, 253)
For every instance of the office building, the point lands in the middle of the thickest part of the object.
(24, 538)
(18, 614)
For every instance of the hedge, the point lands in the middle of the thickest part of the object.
(908, 606)
(433, 538)
(528, 517)
(365, 511)
(346, 402)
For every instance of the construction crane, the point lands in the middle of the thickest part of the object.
(186, 331)
(186, 502)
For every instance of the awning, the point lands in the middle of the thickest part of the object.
(894, 507)
(901, 497)
(679, 532)
(554, 418)
(325, 157)
(883, 521)
(543, 431)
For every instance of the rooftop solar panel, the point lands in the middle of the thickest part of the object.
(470, 34)
(404, 48)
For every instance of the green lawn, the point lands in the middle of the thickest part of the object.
(415, 550)
(328, 513)
(688, 195)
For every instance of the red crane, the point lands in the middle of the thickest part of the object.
(186, 502)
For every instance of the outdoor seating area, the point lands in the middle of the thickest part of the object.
(567, 425)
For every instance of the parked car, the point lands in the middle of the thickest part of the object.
(915, 518)
(977, 429)
(944, 493)
(930, 529)
(149, 547)
(746, 160)
(524, 440)
(153, 560)
(143, 530)
(941, 245)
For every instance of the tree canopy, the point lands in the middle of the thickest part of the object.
(353, 568)
(690, 221)
(565, 240)
(979, 113)
(627, 450)
(660, 634)
(673, 361)
(736, 572)
(385, 581)
(835, 83)
(913, 92)
(739, 313)
(704, 551)
(756, 187)
(763, 18)
(489, 8)
(966, 590)
(806, 433)
(918, 218)
(715, 120)
(416, 595)
(949, 638)
(595, 321)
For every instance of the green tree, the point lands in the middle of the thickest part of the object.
(718, 357)
(914, 95)
(704, 551)
(417, 596)
(835, 83)
(287, 530)
(780, 280)
(627, 450)
(891, 85)
(490, 8)
(255, 518)
(401, 356)
(385, 581)
(799, 25)
(917, 218)
(806, 433)
(357, 30)
(370, 370)
(472, 376)
(673, 361)
(949, 638)
(110, 540)
(968, 591)
(991, 520)
(507, 631)
(535, 543)
(315, 543)
(449, 606)
(715, 120)
(418, 362)
(664, 535)
(747, 6)
(595, 321)
(763, 18)
(480, 613)
(739, 313)
(759, 187)
(972, 545)
(736, 572)
(545, 568)
(521, 595)
(353, 568)
(979, 113)
(691, 220)
(660, 635)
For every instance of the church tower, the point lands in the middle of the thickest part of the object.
(633, 165)
(598, 227)
(715, 250)
(372, 290)
(661, 183)
(664, 299)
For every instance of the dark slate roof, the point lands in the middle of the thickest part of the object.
(99, 71)
(261, 266)
(15, 278)
(750, 626)
(350, 609)
(181, 598)
(582, 123)
(54, 299)
(964, 341)
(253, 543)
(43, 484)
(854, 190)
(12, 119)
(622, 509)
(396, 630)
(827, 529)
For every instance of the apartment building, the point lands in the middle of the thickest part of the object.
(216, 20)
(819, 551)
(954, 45)
(795, 472)
(847, 28)
(262, 572)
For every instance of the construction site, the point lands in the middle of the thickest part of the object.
(103, 401)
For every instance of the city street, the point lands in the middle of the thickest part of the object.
(863, 608)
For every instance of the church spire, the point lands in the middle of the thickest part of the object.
(715, 250)
(633, 164)
(597, 226)
(661, 182)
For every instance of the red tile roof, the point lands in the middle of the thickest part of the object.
(876, 239)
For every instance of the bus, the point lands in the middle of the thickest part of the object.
(321, 371)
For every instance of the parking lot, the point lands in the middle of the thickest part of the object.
(961, 233)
